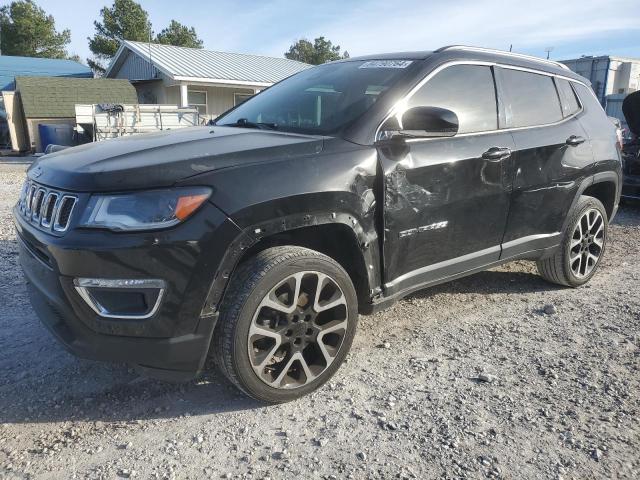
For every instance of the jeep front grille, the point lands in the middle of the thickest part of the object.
(47, 208)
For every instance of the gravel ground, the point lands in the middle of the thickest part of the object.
(497, 375)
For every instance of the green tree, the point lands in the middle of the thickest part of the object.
(28, 31)
(316, 53)
(179, 35)
(125, 20)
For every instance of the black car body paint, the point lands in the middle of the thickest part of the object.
(407, 214)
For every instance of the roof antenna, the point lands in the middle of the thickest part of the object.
(511, 47)
(548, 50)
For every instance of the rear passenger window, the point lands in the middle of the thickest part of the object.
(530, 99)
(466, 90)
(570, 105)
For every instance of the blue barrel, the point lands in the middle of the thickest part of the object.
(56, 134)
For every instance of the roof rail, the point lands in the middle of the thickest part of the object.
(502, 52)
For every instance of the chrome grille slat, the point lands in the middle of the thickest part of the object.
(49, 209)
(50, 206)
(38, 198)
(63, 215)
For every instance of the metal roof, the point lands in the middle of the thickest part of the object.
(11, 67)
(194, 64)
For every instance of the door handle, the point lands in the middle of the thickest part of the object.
(575, 140)
(495, 154)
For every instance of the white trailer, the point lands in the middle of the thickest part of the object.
(110, 121)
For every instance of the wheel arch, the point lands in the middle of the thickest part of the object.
(337, 235)
(603, 186)
(605, 189)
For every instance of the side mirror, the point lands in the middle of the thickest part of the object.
(424, 122)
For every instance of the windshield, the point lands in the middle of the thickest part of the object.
(321, 100)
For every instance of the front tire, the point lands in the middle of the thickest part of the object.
(286, 323)
(582, 247)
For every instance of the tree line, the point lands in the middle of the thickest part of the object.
(27, 30)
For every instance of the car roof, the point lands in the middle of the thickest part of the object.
(463, 52)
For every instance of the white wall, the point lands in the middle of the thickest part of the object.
(219, 99)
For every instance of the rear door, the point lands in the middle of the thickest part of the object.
(446, 199)
(552, 151)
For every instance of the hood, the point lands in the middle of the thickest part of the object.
(161, 159)
(631, 110)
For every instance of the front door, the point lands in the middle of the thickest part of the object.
(447, 199)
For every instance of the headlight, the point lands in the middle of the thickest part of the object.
(143, 210)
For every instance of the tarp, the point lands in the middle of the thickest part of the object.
(631, 110)
(11, 67)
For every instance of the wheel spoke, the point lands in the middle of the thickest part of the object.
(579, 228)
(332, 327)
(285, 370)
(265, 332)
(324, 280)
(577, 269)
(593, 258)
(268, 357)
(573, 256)
(307, 371)
(271, 301)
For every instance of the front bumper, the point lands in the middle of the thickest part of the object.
(171, 344)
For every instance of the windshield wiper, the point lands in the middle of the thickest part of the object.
(244, 123)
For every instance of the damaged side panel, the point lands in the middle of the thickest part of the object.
(443, 202)
(335, 187)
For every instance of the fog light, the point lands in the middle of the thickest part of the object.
(134, 299)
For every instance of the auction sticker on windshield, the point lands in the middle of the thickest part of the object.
(386, 64)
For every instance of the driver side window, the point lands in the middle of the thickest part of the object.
(467, 90)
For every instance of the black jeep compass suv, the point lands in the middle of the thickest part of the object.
(337, 191)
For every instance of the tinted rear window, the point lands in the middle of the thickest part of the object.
(570, 104)
(468, 91)
(530, 99)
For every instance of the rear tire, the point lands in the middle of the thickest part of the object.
(286, 323)
(582, 248)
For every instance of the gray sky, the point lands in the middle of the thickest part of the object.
(572, 27)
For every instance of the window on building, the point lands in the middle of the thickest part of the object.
(239, 98)
(570, 105)
(529, 98)
(199, 101)
(466, 90)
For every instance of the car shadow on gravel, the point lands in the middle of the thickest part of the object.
(95, 391)
(492, 282)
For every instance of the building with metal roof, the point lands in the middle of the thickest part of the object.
(612, 78)
(211, 81)
(12, 67)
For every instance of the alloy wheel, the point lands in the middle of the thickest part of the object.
(297, 330)
(587, 243)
